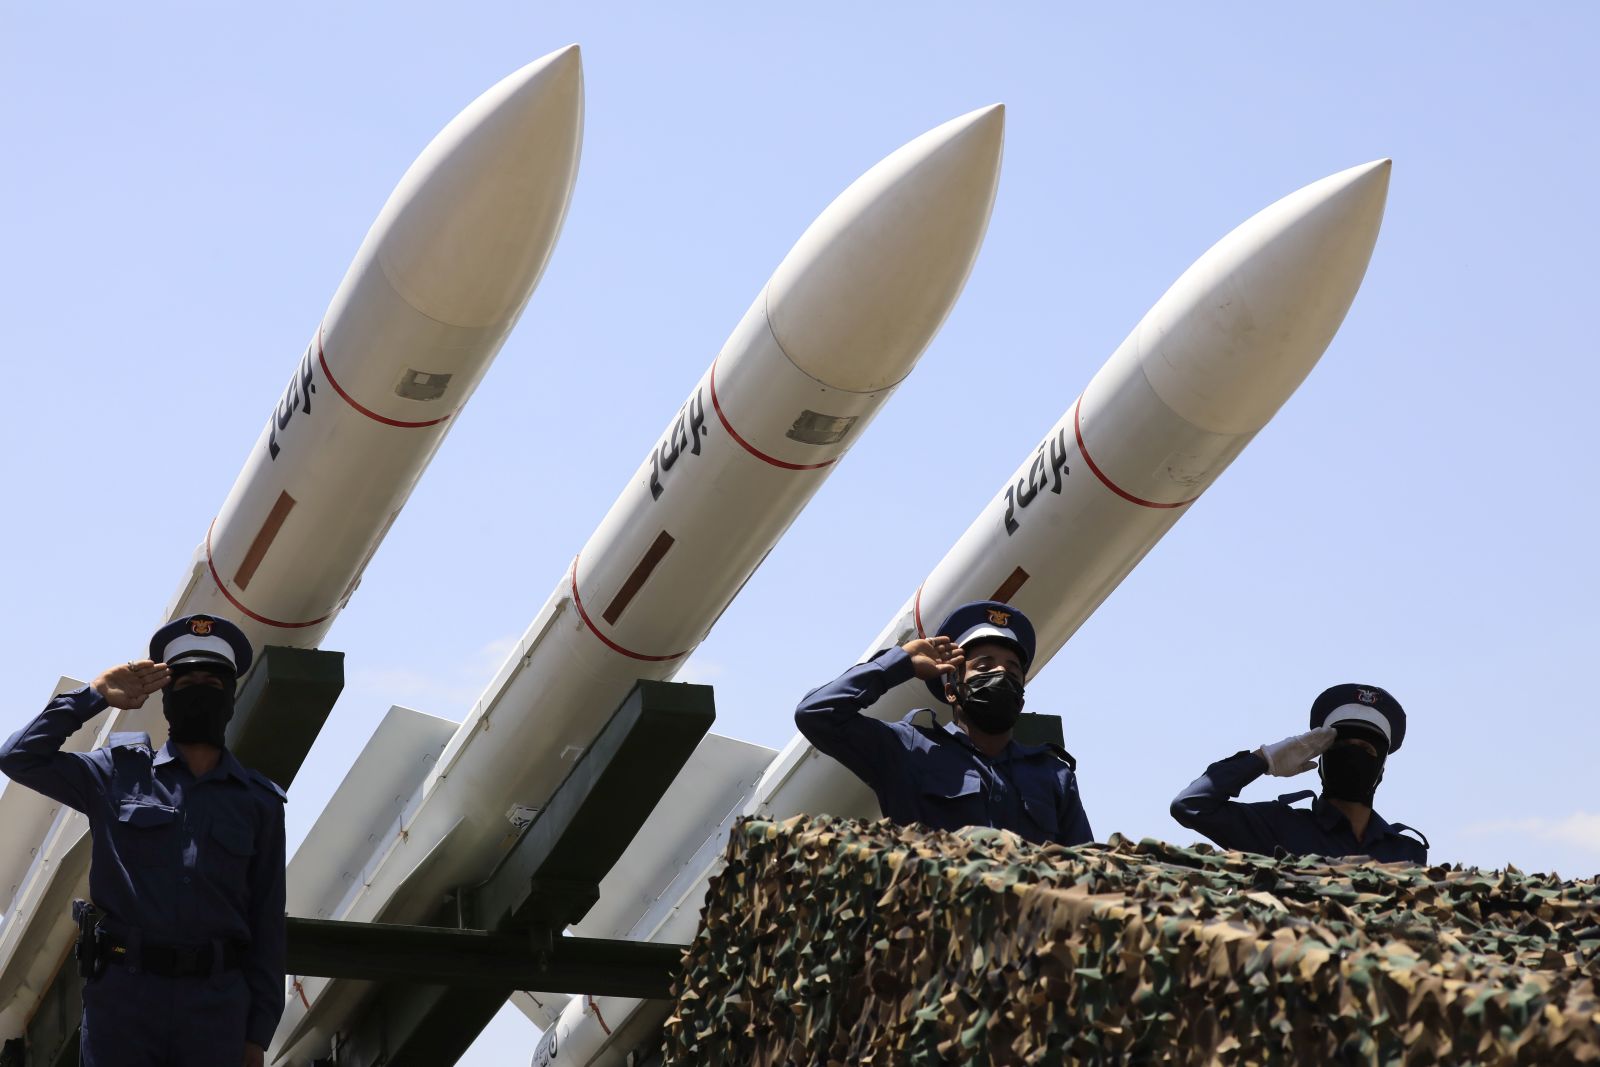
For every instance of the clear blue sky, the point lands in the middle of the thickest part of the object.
(185, 189)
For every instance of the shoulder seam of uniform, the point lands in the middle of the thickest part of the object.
(1060, 752)
(1400, 829)
(937, 734)
(261, 779)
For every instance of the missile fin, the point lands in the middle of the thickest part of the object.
(403, 750)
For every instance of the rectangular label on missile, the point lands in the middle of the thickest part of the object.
(636, 580)
(1009, 587)
(420, 385)
(264, 538)
(815, 428)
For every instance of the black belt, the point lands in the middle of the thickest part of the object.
(174, 961)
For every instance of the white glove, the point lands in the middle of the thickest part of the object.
(1297, 754)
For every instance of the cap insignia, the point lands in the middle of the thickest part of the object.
(1366, 696)
(200, 627)
(999, 618)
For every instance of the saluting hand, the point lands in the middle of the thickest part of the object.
(933, 656)
(1294, 755)
(129, 685)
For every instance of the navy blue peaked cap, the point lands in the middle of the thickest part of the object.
(202, 640)
(1366, 707)
(986, 620)
(992, 620)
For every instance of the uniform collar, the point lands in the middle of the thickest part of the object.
(1331, 818)
(227, 765)
(1012, 748)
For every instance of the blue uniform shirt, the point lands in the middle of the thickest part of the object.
(1265, 827)
(179, 860)
(941, 780)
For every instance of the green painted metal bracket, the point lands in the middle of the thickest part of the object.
(1034, 729)
(512, 959)
(282, 707)
(549, 879)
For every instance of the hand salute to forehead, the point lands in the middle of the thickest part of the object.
(129, 685)
(933, 656)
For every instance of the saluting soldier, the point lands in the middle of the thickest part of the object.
(184, 948)
(1354, 728)
(971, 771)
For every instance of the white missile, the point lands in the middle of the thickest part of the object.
(1204, 370)
(435, 288)
(842, 321)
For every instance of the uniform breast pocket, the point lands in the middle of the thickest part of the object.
(1042, 813)
(952, 797)
(228, 847)
(147, 834)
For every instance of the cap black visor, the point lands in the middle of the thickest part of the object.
(185, 662)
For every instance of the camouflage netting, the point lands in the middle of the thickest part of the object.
(841, 942)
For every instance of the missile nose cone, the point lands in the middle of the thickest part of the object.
(472, 224)
(868, 285)
(1241, 329)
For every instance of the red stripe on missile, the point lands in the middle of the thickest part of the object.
(916, 613)
(1077, 431)
(373, 415)
(750, 448)
(612, 645)
(217, 578)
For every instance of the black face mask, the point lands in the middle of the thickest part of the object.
(198, 714)
(992, 701)
(1350, 772)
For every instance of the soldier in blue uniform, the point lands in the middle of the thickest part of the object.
(970, 772)
(185, 953)
(1354, 728)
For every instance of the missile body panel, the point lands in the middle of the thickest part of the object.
(842, 321)
(1201, 374)
(436, 287)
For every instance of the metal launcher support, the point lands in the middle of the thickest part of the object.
(441, 984)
